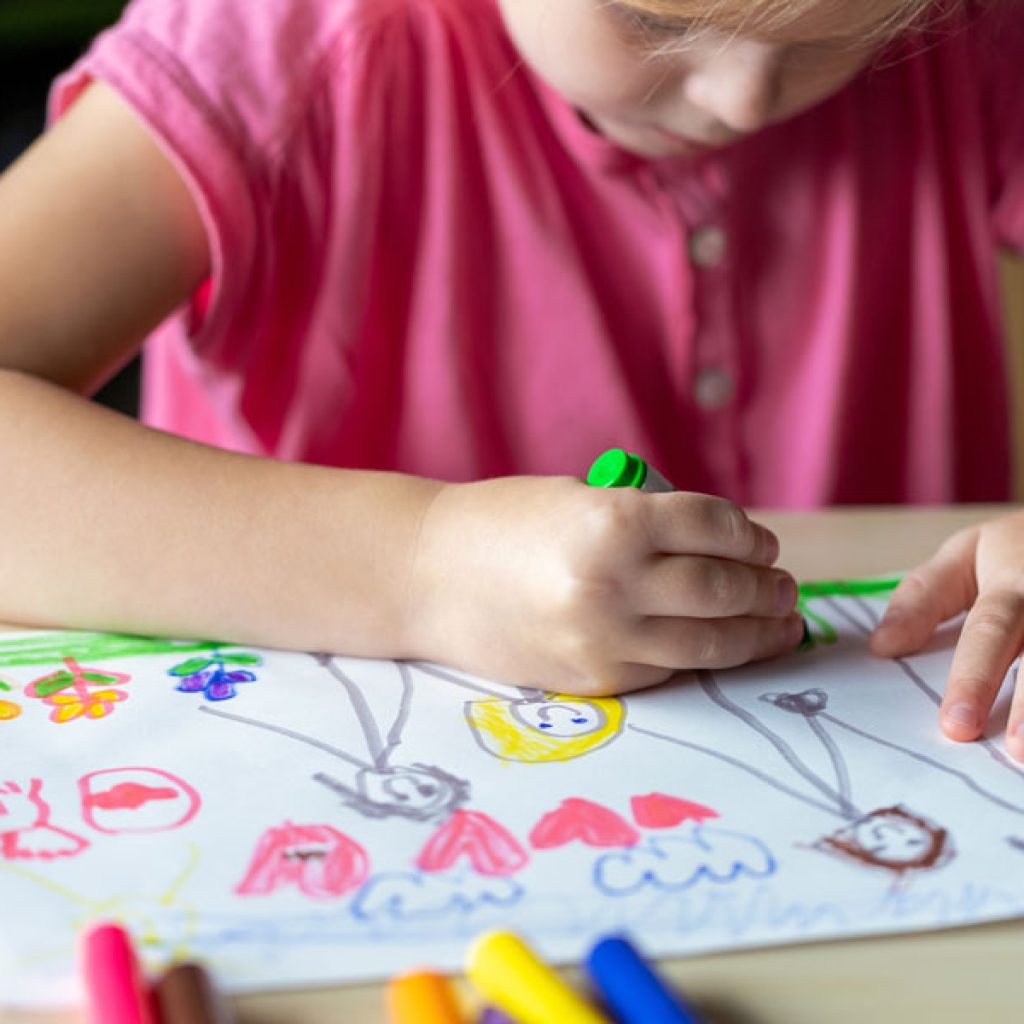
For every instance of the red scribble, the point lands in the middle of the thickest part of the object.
(320, 861)
(492, 850)
(129, 796)
(25, 829)
(586, 821)
(658, 810)
(101, 794)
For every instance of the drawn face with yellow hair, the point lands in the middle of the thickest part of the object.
(550, 728)
(676, 77)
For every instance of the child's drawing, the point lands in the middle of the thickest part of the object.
(135, 800)
(216, 675)
(338, 817)
(75, 692)
(163, 924)
(318, 860)
(26, 832)
(379, 789)
(676, 863)
(892, 838)
(583, 821)
(473, 836)
(8, 709)
(417, 896)
(537, 727)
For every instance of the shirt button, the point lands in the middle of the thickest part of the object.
(707, 246)
(713, 389)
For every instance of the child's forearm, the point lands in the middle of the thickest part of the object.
(105, 524)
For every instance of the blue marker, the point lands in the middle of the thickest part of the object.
(631, 989)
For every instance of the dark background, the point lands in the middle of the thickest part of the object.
(38, 40)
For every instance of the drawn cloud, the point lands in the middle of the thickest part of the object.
(675, 863)
(415, 896)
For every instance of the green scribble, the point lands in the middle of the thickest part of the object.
(44, 648)
(818, 629)
(54, 647)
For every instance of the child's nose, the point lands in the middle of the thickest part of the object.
(736, 85)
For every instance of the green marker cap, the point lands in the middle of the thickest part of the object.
(616, 468)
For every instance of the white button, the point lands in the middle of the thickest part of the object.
(707, 246)
(713, 389)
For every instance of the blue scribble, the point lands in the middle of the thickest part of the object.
(415, 895)
(676, 863)
(211, 676)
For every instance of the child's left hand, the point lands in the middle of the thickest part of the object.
(979, 570)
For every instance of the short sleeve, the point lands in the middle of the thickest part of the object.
(220, 83)
(1001, 63)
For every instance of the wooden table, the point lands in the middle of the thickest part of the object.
(948, 977)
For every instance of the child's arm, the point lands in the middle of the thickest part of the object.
(979, 570)
(106, 524)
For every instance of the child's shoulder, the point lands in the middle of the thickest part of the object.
(231, 23)
(252, 67)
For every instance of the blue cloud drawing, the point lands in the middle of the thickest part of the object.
(678, 862)
(417, 896)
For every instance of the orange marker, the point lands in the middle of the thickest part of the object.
(422, 997)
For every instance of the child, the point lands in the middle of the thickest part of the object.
(393, 254)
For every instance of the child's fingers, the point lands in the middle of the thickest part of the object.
(700, 524)
(932, 593)
(713, 643)
(991, 638)
(689, 586)
(1015, 725)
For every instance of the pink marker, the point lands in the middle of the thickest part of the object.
(113, 979)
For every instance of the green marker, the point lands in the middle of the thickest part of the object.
(618, 468)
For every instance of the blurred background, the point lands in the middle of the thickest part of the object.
(38, 40)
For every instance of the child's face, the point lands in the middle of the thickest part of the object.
(656, 90)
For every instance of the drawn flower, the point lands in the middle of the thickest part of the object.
(8, 710)
(69, 691)
(97, 704)
(211, 676)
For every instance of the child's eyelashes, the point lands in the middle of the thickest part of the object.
(650, 26)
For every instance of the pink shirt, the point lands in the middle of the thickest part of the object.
(424, 261)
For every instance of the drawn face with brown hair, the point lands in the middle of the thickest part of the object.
(892, 838)
(661, 86)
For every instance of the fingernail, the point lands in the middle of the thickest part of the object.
(1015, 741)
(963, 715)
(785, 595)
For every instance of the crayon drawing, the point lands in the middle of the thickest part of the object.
(305, 819)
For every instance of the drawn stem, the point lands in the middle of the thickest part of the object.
(364, 713)
(282, 731)
(838, 764)
(764, 777)
(714, 691)
(931, 762)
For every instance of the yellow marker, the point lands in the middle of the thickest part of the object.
(512, 977)
(422, 997)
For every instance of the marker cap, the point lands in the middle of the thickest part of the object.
(617, 468)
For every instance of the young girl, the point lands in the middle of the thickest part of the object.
(391, 255)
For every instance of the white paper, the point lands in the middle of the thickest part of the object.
(341, 819)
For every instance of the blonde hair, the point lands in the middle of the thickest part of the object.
(882, 18)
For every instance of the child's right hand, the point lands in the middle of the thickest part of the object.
(545, 581)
